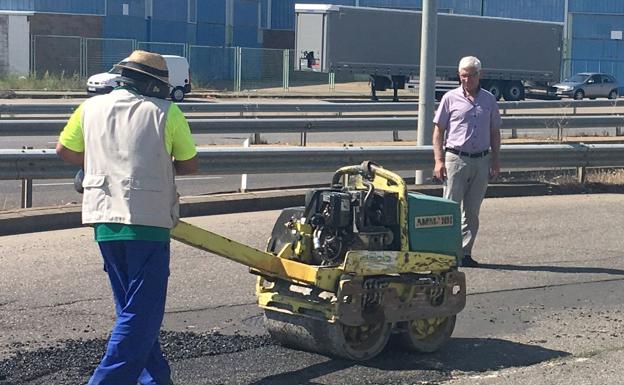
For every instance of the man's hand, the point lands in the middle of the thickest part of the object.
(494, 169)
(439, 170)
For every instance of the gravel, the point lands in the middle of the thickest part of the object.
(71, 362)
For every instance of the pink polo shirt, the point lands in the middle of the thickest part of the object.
(466, 124)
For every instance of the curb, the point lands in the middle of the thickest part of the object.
(65, 217)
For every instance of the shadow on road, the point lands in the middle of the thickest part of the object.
(470, 355)
(460, 354)
(306, 375)
(552, 269)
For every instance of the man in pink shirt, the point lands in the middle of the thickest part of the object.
(466, 146)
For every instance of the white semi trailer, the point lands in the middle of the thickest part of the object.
(385, 44)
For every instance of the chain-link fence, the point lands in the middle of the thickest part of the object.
(235, 69)
(60, 56)
(217, 68)
(101, 54)
(163, 48)
(212, 67)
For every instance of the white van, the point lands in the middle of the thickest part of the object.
(179, 78)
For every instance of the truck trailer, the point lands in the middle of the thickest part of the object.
(385, 44)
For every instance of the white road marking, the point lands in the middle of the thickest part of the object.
(71, 183)
(53, 184)
(199, 177)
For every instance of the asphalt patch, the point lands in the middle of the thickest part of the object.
(71, 362)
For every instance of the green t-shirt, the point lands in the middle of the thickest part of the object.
(178, 143)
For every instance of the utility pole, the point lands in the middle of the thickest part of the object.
(426, 90)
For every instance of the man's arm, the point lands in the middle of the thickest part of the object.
(180, 143)
(70, 146)
(68, 155)
(495, 143)
(185, 167)
(439, 170)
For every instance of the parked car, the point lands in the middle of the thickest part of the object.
(179, 78)
(588, 85)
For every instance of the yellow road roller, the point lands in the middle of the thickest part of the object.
(361, 262)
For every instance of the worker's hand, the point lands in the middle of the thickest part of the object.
(439, 170)
(494, 169)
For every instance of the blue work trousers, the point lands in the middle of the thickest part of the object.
(138, 273)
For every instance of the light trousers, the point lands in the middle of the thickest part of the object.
(466, 182)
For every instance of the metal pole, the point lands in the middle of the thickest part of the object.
(239, 69)
(285, 69)
(567, 58)
(27, 185)
(243, 187)
(426, 90)
(26, 193)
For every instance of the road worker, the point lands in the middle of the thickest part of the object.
(131, 143)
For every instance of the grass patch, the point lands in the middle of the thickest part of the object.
(45, 82)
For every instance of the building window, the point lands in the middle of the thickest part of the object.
(149, 9)
(125, 9)
(192, 11)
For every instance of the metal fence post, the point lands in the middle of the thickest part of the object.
(332, 81)
(83, 57)
(581, 174)
(238, 52)
(243, 187)
(33, 52)
(304, 139)
(27, 185)
(285, 70)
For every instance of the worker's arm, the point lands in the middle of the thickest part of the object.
(439, 170)
(179, 142)
(185, 167)
(70, 146)
(69, 156)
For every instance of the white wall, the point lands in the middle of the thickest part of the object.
(19, 43)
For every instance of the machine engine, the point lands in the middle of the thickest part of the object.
(339, 220)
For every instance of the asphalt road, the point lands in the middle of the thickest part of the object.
(545, 308)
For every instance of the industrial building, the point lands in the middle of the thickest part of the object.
(593, 29)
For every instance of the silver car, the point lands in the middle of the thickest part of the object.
(588, 85)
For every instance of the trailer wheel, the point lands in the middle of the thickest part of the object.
(513, 91)
(357, 343)
(426, 335)
(494, 88)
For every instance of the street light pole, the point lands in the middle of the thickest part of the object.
(426, 90)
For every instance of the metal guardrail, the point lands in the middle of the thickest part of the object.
(303, 125)
(369, 107)
(45, 164)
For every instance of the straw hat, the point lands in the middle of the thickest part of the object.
(148, 63)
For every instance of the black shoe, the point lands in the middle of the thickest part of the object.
(467, 261)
